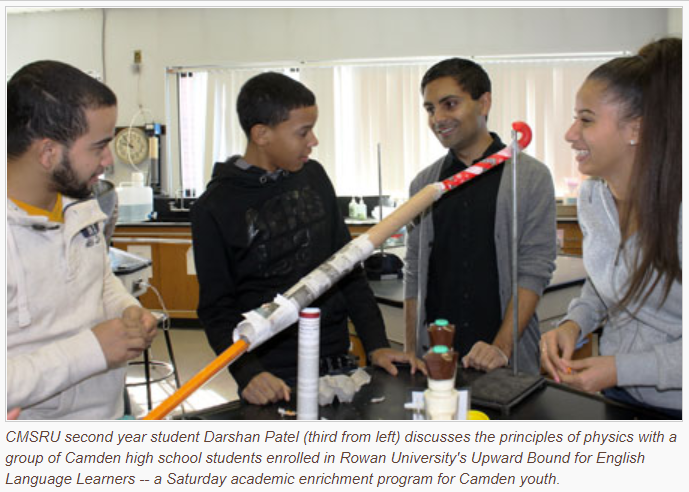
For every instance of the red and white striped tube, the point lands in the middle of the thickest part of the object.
(490, 162)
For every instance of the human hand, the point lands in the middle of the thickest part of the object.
(119, 342)
(136, 317)
(485, 357)
(386, 357)
(13, 414)
(556, 345)
(266, 388)
(592, 374)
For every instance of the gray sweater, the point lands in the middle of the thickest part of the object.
(537, 246)
(646, 339)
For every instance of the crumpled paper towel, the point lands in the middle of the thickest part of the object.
(342, 386)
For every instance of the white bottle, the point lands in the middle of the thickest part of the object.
(135, 200)
(352, 209)
(364, 209)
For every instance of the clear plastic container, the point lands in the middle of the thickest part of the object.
(135, 201)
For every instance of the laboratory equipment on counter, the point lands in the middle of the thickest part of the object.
(135, 200)
(384, 398)
(132, 270)
(265, 321)
(441, 332)
(352, 209)
(441, 397)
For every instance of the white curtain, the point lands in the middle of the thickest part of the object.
(541, 93)
(224, 136)
(363, 105)
(322, 82)
(209, 128)
(192, 131)
(367, 106)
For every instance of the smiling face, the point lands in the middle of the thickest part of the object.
(604, 143)
(288, 144)
(457, 120)
(88, 157)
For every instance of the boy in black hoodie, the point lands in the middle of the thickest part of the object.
(266, 220)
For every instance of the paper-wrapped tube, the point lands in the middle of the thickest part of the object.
(308, 363)
(333, 269)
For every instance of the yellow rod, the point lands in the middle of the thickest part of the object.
(201, 378)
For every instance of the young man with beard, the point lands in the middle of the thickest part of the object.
(267, 219)
(458, 265)
(71, 324)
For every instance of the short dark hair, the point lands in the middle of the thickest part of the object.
(267, 99)
(48, 99)
(470, 76)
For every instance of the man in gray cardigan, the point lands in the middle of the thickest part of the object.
(458, 265)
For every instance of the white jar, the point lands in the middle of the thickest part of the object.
(135, 201)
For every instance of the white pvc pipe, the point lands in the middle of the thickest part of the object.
(308, 363)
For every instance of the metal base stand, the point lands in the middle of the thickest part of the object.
(501, 389)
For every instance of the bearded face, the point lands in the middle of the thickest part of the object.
(66, 181)
(87, 157)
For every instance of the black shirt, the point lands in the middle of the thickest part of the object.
(256, 235)
(463, 284)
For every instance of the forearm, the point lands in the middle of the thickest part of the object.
(410, 314)
(363, 310)
(528, 301)
(218, 309)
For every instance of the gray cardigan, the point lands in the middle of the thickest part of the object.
(645, 339)
(537, 246)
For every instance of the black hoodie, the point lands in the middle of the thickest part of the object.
(255, 235)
